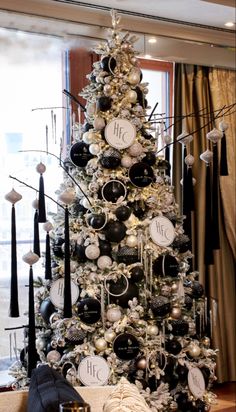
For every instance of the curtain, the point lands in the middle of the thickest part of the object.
(197, 88)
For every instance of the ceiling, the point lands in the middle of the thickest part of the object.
(191, 31)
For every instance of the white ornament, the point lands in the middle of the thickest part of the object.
(104, 262)
(189, 160)
(114, 314)
(131, 96)
(126, 161)
(84, 202)
(47, 226)
(53, 356)
(109, 335)
(120, 133)
(40, 168)
(31, 258)
(100, 344)
(92, 252)
(167, 139)
(184, 138)
(196, 382)
(88, 137)
(162, 231)
(134, 76)
(83, 187)
(35, 204)
(214, 135)
(136, 149)
(93, 371)
(94, 149)
(131, 240)
(99, 123)
(13, 196)
(206, 156)
(223, 126)
(152, 330)
(67, 196)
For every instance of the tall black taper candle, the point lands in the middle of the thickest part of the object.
(48, 268)
(223, 153)
(36, 248)
(215, 200)
(13, 197)
(42, 209)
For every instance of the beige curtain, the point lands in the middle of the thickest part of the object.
(197, 88)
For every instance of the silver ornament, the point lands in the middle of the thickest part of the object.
(100, 344)
(113, 314)
(92, 252)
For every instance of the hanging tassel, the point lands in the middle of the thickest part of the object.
(13, 197)
(36, 247)
(48, 268)
(215, 200)
(167, 141)
(208, 222)
(223, 153)
(30, 258)
(42, 210)
(67, 284)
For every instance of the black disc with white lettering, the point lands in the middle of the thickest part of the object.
(126, 346)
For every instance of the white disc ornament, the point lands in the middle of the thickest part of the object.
(57, 293)
(93, 371)
(120, 133)
(162, 231)
(92, 252)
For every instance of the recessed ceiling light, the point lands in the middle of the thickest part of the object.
(229, 24)
(152, 40)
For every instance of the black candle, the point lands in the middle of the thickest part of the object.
(67, 285)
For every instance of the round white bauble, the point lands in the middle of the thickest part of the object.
(67, 196)
(40, 344)
(131, 240)
(189, 160)
(134, 76)
(53, 356)
(104, 261)
(40, 168)
(109, 335)
(35, 204)
(194, 350)
(136, 149)
(88, 137)
(94, 149)
(100, 344)
(99, 123)
(47, 226)
(92, 252)
(84, 202)
(223, 126)
(131, 96)
(152, 330)
(114, 314)
(126, 161)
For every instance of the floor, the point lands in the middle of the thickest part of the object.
(226, 401)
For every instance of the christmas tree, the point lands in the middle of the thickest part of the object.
(119, 298)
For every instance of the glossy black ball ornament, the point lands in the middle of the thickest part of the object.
(117, 288)
(89, 310)
(166, 265)
(182, 243)
(179, 327)
(104, 103)
(137, 274)
(114, 191)
(173, 346)
(160, 306)
(111, 159)
(80, 154)
(126, 346)
(108, 64)
(97, 220)
(182, 372)
(105, 247)
(115, 231)
(149, 158)
(46, 309)
(197, 290)
(141, 174)
(127, 255)
(57, 247)
(138, 208)
(123, 213)
(80, 253)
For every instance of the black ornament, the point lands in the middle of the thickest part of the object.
(138, 208)
(141, 174)
(179, 327)
(188, 302)
(46, 309)
(146, 135)
(182, 372)
(137, 274)
(160, 305)
(182, 243)
(89, 310)
(150, 158)
(108, 64)
(80, 154)
(80, 253)
(183, 403)
(123, 213)
(104, 103)
(111, 159)
(115, 231)
(57, 247)
(126, 346)
(140, 97)
(97, 220)
(166, 265)
(78, 209)
(200, 406)
(87, 127)
(105, 247)
(206, 374)
(163, 165)
(197, 290)
(173, 346)
(113, 191)
(127, 255)
(117, 288)
(75, 335)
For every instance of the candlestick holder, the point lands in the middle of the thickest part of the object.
(74, 406)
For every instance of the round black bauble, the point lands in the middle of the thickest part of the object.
(163, 165)
(197, 290)
(123, 213)
(57, 247)
(137, 274)
(108, 64)
(105, 247)
(138, 208)
(150, 158)
(126, 346)
(141, 174)
(160, 306)
(113, 191)
(110, 159)
(184, 404)
(87, 127)
(97, 220)
(182, 372)
(89, 310)
(127, 255)
(117, 288)
(80, 154)
(140, 98)
(115, 231)
(80, 253)
(179, 327)
(46, 309)
(173, 346)
(188, 302)
(104, 103)
(166, 265)
(182, 243)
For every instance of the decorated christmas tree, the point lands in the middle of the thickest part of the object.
(119, 298)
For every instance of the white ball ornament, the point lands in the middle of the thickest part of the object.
(40, 168)
(136, 149)
(53, 356)
(131, 96)
(223, 126)
(126, 161)
(131, 240)
(92, 252)
(104, 262)
(99, 123)
(35, 204)
(114, 314)
(88, 137)
(100, 344)
(84, 202)
(189, 160)
(40, 344)
(94, 149)
(152, 330)
(47, 226)
(67, 196)
(109, 335)
(194, 350)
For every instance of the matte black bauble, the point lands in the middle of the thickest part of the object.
(117, 288)
(137, 274)
(166, 265)
(126, 346)
(127, 255)
(138, 208)
(57, 247)
(111, 159)
(80, 253)
(115, 231)
(108, 64)
(113, 191)
(160, 306)
(179, 327)
(123, 213)
(46, 309)
(150, 158)
(197, 290)
(80, 154)
(97, 221)
(89, 310)
(105, 247)
(182, 372)
(141, 174)
(104, 103)
(173, 346)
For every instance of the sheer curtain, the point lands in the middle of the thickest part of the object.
(197, 88)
